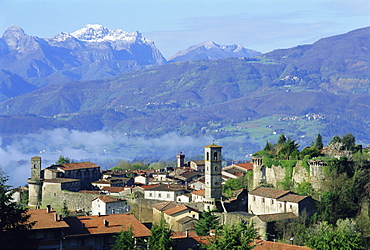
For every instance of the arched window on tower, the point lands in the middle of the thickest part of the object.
(207, 156)
(215, 156)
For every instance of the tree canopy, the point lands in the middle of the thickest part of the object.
(14, 221)
(160, 238)
(208, 221)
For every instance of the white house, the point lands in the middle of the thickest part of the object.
(198, 195)
(104, 205)
(164, 192)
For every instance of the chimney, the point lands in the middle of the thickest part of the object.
(187, 233)
(48, 208)
(98, 214)
(56, 217)
(106, 223)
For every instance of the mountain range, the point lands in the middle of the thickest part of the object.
(93, 52)
(301, 91)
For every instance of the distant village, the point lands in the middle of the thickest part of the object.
(100, 201)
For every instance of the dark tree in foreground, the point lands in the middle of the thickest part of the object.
(318, 143)
(14, 224)
(124, 240)
(208, 221)
(160, 238)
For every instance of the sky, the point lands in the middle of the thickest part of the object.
(262, 25)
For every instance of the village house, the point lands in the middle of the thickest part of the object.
(198, 195)
(179, 217)
(104, 204)
(197, 165)
(164, 192)
(264, 200)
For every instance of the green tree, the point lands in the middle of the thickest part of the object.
(349, 142)
(160, 238)
(237, 236)
(62, 160)
(282, 140)
(323, 236)
(318, 143)
(124, 240)
(14, 224)
(207, 221)
(65, 210)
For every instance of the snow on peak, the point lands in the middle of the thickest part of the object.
(99, 33)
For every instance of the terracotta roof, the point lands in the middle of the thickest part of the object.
(268, 192)
(45, 220)
(165, 205)
(247, 165)
(87, 225)
(292, 198)
(276, 217)
(148, 186)
(200, 192)
(267, 245)
(61, 180)
(107, 199)
(184, 242)
(79, 165)
(178, 209)
(113, 189)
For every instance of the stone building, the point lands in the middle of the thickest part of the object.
(104, 205)
(164, 192)
(264, 200)
(48, 183)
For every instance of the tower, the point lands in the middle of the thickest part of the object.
(213, 177)
(35, 182)
(180, 160)
(259, 171)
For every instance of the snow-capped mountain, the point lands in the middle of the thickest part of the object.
(212, 51)
(93, 52)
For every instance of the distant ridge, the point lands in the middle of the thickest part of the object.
(211, 51)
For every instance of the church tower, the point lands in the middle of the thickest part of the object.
(213, 177)
(180, 160)
(35, 182)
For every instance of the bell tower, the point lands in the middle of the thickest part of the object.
(213, 177)
(35, 182)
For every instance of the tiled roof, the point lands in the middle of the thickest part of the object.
(292, 198)
(107, 199)
(113, 189)
(247, 165)
(61, 180)
(268, 245)
(268, 192)
(200, 192)
(276, 217)
(177, 209)
(45, 220)
(184, 242)
(185, 220)
(87, 225)
(162, 187)
(165, 205)
(79, 165)
(148, 186)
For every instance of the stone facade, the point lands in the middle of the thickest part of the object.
(213, 177)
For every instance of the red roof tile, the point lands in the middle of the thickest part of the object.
(107, 199)
(86, 225)
(45, 220)
(113, 189)
(268, 192)
(292, 198)
(165, 205)
(267, 245)
(200, 192)
(79, 165)
(247, 165)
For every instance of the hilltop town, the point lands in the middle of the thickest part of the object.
(97, 202)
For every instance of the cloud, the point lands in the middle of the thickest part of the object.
(105, 148)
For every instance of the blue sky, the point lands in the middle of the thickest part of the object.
(174, 25)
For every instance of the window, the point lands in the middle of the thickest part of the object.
(254, 198)
(168, 195)
(263, 200)
(207, 156)
(150, 195)
(272, 201)
(291, 207)
(215, 156)
(280, 205)
(159, 195)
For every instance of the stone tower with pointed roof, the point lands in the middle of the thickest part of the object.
(213, 177)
